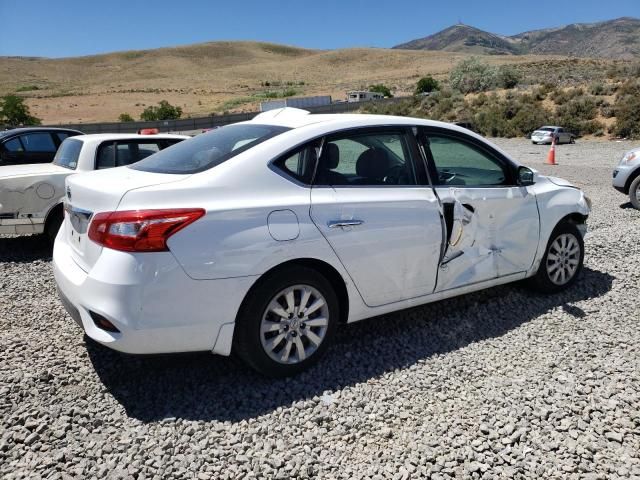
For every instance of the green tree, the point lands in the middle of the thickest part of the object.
(125, 117)
(164, 111)
(380, 88)
(472, 75)
(13, 111)
(427, 85)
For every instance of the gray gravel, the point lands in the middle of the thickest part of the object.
(499, 384)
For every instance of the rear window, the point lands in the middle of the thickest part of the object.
(208, 149)
(68, 153)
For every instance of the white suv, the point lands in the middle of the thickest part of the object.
(263, 236)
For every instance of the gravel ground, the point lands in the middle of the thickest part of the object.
(499, 384)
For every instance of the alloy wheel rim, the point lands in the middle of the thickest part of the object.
(563, 259)
(294, 324)
(638, 193)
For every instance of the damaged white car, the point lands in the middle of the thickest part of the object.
(31, 195)
(263, 236)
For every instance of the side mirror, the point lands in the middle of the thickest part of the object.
(526, 177)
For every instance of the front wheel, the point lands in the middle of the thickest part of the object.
(634, 193)
(562, 261)
(287, 322)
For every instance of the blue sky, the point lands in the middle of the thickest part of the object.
(70, 27)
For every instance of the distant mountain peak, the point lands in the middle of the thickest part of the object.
(617, 38)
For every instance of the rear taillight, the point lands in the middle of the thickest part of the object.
(140, 230)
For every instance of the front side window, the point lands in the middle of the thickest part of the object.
(38, 142)
(68, 153)
(208, 150)
(460, 163)
(380, 158)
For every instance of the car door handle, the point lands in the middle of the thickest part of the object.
(344, 223)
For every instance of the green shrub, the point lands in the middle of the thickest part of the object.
(427, 84)
(578, 109)
(508, 77)
(164, 111)
(627, 110)
(472, 75)
(125, 117)
(382, 89)
(27, 88)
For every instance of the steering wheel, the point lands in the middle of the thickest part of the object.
(394, 175)
(446, 176)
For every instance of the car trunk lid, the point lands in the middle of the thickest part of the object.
(95, 192)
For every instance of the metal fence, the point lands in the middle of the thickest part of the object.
(201, 123)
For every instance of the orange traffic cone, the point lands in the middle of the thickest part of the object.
(551, 156)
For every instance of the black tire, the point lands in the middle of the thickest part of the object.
(53, 223)
(634, 192)
(248, 341)
(542, 281)
(573, 139)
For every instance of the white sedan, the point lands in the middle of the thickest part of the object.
(31, 196)
(263, 236)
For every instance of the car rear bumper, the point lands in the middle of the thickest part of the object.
(154, 305)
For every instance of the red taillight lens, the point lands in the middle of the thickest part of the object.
(140, 230)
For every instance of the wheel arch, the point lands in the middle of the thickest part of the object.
(58, 207)
(325, 269)
(632, 176)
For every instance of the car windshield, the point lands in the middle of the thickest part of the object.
(208, 149)
(68, 153)
(546, 129)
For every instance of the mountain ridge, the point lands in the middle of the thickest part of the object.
(618, 38)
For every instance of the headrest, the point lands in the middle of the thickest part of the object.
(373, 163)
(330, 156)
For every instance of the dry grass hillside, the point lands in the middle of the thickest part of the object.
(211, 77)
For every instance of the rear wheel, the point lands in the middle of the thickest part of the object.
(287, 322)
(634, 193)
(562, 261)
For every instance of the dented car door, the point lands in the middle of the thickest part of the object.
(492, 224)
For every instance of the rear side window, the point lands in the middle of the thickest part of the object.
(68, 153)
(208, 149)
(300, 164)
(38, 142)
(13, 145)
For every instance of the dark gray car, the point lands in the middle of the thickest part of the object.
(21, 146)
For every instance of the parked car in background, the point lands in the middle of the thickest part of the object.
(31, 195)
(626, 176)
(547, 134)
(263, 236)
(21, 146)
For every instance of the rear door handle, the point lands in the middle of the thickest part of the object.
(344, 223)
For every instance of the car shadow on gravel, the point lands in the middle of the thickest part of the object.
(212, 388)
(25, 248)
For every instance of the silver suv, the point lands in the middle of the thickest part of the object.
(626, 176)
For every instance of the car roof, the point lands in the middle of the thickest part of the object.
(128, 136)
(14, 131)
(297, 118)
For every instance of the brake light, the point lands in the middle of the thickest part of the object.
(148, 131)
(140, 230)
